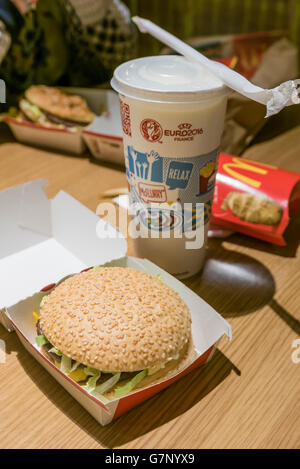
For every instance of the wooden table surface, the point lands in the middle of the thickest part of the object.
(247, 396)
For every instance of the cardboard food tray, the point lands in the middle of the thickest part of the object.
(41, 245)
(66, 140)
(104, 136)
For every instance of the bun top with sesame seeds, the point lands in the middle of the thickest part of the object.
(59, 104)
(116, 319)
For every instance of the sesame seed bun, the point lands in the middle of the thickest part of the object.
(118, 320)
(61, 105)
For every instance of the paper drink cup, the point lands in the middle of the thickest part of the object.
(172, 114)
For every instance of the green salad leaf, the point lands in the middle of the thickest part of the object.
(92, 381)
(121, 391)
(75, 366)
(57, 352)
(66, 364)
(32, 108)
(90, 371)
(43, 300)
(41, 340)
(106, 386)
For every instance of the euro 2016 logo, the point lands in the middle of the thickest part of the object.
(151, 130)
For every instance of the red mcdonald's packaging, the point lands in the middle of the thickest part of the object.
(255, 198)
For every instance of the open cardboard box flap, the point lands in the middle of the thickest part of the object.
(45, 239)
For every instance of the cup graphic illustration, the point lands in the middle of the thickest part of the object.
(206, 178)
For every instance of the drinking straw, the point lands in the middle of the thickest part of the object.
(275, 99)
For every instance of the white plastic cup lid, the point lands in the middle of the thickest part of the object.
(166, 78)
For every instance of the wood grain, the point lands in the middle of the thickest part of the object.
(247, 396)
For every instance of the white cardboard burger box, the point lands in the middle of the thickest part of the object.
(99, 101)
(42, 242)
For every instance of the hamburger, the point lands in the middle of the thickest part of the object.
(50, 107)
(114, 330)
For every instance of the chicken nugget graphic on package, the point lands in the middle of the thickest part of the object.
(253, 208)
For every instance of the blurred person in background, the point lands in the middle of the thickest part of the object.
(67, 42)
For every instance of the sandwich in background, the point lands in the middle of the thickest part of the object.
(50, 107)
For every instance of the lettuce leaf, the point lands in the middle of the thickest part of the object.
(90, 371)
(154, 369)
(106, 386)
(43, 300)
(92, 381)
(159, 277)
(32, 108)
(57, 352)
(66, 364)
(121, 391)
(75, 366)
(41, 340)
